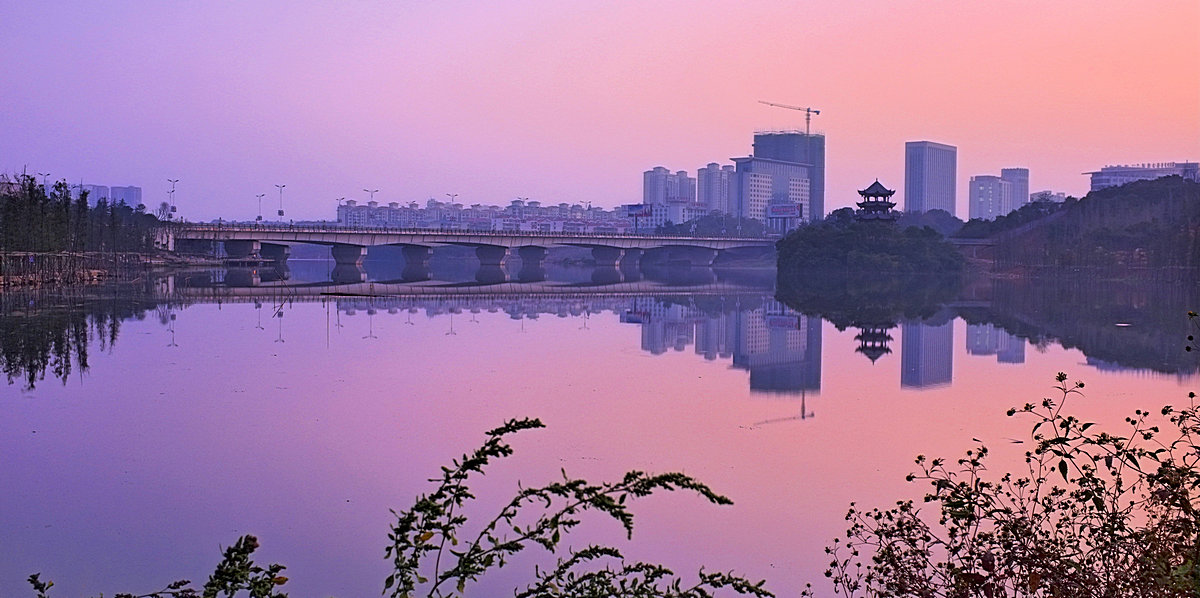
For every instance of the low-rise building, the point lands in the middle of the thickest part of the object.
(1111, 176)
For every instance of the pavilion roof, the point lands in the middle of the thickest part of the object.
(876, 190)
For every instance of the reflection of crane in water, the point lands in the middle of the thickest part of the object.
(371, 322)
(804, 414)
(277, 312)
(171, 327)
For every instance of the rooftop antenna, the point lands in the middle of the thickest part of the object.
(808, 112)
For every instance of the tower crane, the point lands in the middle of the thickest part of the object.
(808, 112)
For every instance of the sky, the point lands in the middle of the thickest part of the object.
(571, 101)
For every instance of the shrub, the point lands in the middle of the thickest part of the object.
(1094, 514)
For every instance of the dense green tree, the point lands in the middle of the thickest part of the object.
(840, 244)
(34, 219)
(715, 225)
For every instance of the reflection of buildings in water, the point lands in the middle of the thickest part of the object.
(926, 352)
(780, 348)
(987, 339)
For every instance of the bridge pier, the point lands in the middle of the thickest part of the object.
(491, 274)
(655, 255)
(348, 254)
(275, 273)
(695, 256)
(606, 275)
(274, 252)
(632, 258)
(533, 268)
(348, 274)
(607, 257)
(491, 255)
(416, 255)
(416, 262)
(242, 277)
(240, 250)
(631, 266)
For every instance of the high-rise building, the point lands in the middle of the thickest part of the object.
(991, 196)
(713, 187)
(930, 171)
(95, 192)
(661, 186)
(654, 185)
(1019, 178)
(130, 195)
(1111, 176)
(988, 195)
(798, 148)
(759, 182)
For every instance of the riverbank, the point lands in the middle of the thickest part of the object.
(39, 269)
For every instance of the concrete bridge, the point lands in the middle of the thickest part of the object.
(349, 245)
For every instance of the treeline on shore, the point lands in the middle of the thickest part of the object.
(1142, 224)
(48, 236)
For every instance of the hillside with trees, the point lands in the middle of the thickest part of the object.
(1141, 224)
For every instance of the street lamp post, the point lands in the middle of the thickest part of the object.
(372, 192)
(280, 187)
(259, 218)
(44, 176)
(171, 194)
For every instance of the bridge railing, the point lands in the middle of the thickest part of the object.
(331, 228)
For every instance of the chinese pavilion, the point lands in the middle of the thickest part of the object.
(876, 203)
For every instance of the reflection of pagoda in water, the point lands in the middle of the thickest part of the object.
(876, 203)
(873, 340)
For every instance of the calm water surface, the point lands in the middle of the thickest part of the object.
(217, 404)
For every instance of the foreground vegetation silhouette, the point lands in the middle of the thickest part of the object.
(435, 554)
(1095, 514)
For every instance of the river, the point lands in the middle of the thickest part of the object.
(144, 426)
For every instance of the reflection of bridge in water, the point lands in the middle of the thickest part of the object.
(728, 321)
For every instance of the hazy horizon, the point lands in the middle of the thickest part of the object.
(571, 102)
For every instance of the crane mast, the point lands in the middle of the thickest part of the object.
(808, 112)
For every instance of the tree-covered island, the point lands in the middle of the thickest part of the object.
(867, 240)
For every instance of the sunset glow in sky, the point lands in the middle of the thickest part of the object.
(572, 101)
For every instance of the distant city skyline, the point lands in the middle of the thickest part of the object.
(570, 102)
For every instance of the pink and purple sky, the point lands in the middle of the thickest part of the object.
(572, 101)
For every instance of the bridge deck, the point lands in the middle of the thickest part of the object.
(366, 237)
